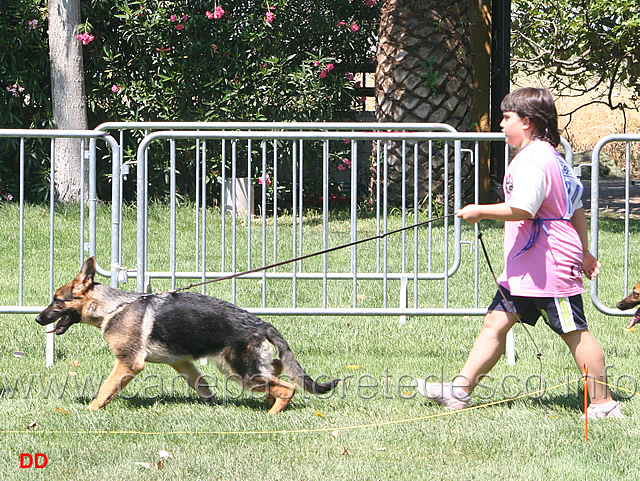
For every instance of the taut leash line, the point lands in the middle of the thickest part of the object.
(313, 254)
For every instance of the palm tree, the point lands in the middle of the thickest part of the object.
(424, 74)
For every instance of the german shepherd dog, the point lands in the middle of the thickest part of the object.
(176, 329)
(632, 300)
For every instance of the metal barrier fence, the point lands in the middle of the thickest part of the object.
(417, 260)
(416, 272)
(18, 272)
(628, 256)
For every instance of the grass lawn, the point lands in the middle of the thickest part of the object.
(371, 427)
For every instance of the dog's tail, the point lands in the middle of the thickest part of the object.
(293, 369)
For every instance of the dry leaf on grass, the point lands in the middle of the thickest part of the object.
(346, 452)
(61, 411)
(319, 414)
(143, 465)
(32, 425)
(353, 367)
(335, 433)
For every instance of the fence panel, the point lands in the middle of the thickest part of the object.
(616, 282)
(29, 282)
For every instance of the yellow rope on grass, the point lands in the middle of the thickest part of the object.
(304, 431)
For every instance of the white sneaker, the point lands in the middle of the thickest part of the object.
(443, 393)
(606, 410)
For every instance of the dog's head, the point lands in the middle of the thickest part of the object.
(632, 300)
(69, 300)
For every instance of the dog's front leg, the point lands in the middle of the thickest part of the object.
(123, 372)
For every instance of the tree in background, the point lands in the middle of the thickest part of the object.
(424, 74)
(67, 94)
(579, 47)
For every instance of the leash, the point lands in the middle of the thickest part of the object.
(307, 256)
(512, 311)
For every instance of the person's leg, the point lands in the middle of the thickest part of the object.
(487, 349)
(586, 350)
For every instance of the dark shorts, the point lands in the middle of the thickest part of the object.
(562, 314)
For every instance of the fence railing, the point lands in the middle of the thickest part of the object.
(274, 195)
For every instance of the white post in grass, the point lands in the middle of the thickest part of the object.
(510, 349)
(50, 349)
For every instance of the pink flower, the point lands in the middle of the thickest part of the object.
(340, 24)
(330, 67)
(173, 19)
(217, 14)
(114, 88)
(266, 179)
(316, 63)
(346, 164)
(354, 27)
(86, 38)
(349, 76)
(210, 15)
(371, 3)
(269, 17)
(33, 24)
(184, 18)
(179, 26)
(15, 90)
(323, 73)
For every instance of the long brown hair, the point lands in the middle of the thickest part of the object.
(537, 104)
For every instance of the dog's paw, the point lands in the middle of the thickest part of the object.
(94, 406)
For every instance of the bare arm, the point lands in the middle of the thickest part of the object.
(590, 264)
(474, 213)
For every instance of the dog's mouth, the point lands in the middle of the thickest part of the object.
(66, 321)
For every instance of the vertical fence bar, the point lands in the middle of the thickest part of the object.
(385, 223)
(249, 201)
(445, 187)
(627, 179)
(301, 201)
(21, 247)
(234, 213)
(203, 249)
(430, 208)
(378, 182)
(223, 198)
(172, 204)
(325, 221)
(197, 171)
(294, 227)
(82, 199)
(354, 222)
(50, 345)
(264, 221)
(416, 208)
(275, 203)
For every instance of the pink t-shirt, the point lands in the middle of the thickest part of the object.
(549, 265)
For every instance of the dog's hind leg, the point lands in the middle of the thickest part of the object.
(278, 391)
(192, 376)
(282, 391)
(121, 375)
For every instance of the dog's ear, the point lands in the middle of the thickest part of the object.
(84, 279)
